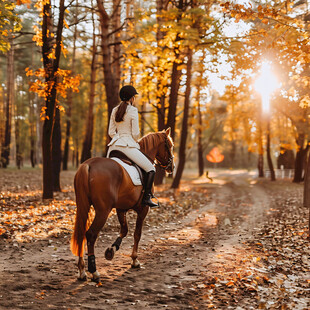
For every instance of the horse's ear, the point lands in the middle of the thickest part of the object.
(168, 131)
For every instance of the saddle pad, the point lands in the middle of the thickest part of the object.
(131, 170)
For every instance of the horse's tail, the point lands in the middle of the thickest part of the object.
(81, 186)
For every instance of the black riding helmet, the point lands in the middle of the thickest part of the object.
(127, 92)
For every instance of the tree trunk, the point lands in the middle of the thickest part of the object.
(56, 152)
(299, 160)
(77, 156)
(39, 133)
(269, 160)
(142, 123)
(32, 122)
(160, 173)
(70, 96)
(173, 99)
(17, 142)
(175, 76)
(306, 200)
(5, 154)
(2, 123)
(260, 164)
(110, 55)
(88, 140)
(161, 97)
(68, 130)
(199, 137)
(111, 58)
(182, 148)
(50, 179)
(32, 125)
(232, 153)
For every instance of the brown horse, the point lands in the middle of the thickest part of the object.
(105, 184)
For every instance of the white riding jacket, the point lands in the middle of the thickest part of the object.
(127, 132)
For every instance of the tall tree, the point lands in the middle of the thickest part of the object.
(88, 139)
(182, 147)
(51, 83)
(5, 154)
(51, 126)
(111, 27)
(70, 93)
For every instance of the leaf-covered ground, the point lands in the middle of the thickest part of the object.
(238, 243)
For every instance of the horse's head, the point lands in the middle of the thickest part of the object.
(164, 156)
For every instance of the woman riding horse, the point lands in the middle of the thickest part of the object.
(105, 184)
(124, 131)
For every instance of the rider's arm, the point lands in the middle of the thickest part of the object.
(112, 125)
(135, 130)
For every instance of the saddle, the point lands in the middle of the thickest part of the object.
(120, 155)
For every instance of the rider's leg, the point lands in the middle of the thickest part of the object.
(142, 161)
(148, 189)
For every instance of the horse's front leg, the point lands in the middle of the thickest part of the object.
(121, 214)
(141, 214)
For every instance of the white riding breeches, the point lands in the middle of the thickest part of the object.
(135, 155)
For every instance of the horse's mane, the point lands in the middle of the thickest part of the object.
(152, 139)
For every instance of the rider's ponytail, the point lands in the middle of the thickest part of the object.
(119, 115)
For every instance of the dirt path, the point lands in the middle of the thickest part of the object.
(204, 254)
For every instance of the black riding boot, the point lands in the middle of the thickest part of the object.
(149, 179)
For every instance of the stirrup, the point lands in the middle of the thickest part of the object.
(147, 201)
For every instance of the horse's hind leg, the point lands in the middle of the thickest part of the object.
(121, 214)
(81, 267)
(91, 236)
(141, 214)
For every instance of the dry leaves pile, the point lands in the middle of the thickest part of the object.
(25, 217)
(284, 246)
(271, 270)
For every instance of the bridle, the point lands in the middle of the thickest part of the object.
(160, 162)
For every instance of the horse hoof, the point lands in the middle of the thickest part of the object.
(96, 280)
(135, 265)
(96, 277)
(109, 253)
(82, 276)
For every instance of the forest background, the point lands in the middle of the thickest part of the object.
(194, 64)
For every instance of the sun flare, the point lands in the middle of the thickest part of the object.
(266, 84)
